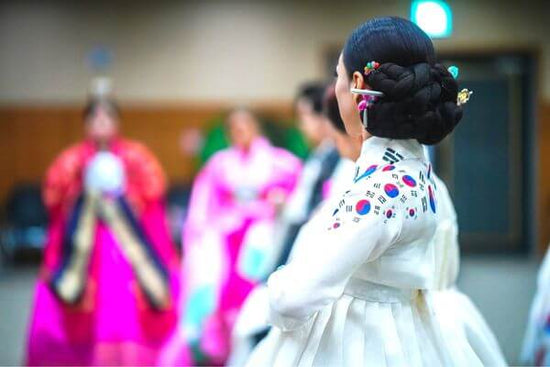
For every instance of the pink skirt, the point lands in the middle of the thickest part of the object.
(112, 325)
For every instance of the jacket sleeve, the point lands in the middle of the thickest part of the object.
(358, 227)
(146, 172)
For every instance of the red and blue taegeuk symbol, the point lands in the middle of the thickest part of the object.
(389, 167)
(389, 213)
(362, 207)
(432, 198)
(369, 171)
(412, 212)
(391, 190)
(409, 181)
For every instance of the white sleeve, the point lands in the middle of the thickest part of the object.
(356, 229)
(446, 238)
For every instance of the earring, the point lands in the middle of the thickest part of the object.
(364, 106)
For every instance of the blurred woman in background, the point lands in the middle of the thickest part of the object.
(319, 166)
(106, 290)
(349, 147)
(228, 238)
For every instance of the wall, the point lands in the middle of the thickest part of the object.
(216, 50)
(543, 191)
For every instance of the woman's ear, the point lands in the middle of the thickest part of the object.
(359, 83)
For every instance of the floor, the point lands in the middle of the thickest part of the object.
(502, 288)
(16, 292)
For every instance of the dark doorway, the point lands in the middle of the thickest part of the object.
(486, 161)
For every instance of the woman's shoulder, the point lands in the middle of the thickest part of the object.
(73, 155)
(406, 175)
(284, 159)
(406, 187)
(221, 156)
(132, 148)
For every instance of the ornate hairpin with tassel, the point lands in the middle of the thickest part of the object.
(368, 96)
(464, 95)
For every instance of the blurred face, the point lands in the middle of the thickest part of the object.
(312, 124)
(101, 126)
(347, 102)
(243, 129)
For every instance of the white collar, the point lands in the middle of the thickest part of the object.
(377, 151)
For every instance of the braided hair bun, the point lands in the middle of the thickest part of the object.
(419, 94)
(419, 102)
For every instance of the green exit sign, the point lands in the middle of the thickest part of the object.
(435, 17)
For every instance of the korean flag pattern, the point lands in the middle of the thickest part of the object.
(386, 191)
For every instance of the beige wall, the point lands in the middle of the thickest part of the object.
(217, 50)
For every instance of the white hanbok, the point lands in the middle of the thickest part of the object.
(536, 343)
(359, 290)
(455, 311)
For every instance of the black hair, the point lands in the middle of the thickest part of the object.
(312, 92)
(419, 94)
(331, 110)
(94, 104)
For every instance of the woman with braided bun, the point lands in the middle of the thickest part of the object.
(361, 290)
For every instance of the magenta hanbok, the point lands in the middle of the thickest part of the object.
(228, 245)
(109, 280)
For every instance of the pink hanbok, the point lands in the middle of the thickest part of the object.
(107, 286)
(228, 245)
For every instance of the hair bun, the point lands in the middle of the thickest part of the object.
(419, 102)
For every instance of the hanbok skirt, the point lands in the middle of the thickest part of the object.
(536, 344)
(113, 325)
(372, 325)
(457, 314)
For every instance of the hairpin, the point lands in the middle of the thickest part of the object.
(453, 70)
(365, 103)
(367, 92)
(463, 97)
(368, 95)
(370, 67)
(367, 98)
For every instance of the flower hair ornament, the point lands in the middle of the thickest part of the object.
(464, 95)
(369, 96)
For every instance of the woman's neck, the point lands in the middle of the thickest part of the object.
(102, 145)
(366, 135)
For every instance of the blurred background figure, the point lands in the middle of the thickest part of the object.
(318, 166)
(228, 238)
(348, 147)
(107, 285)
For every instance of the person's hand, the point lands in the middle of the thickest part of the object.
(277, 197)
